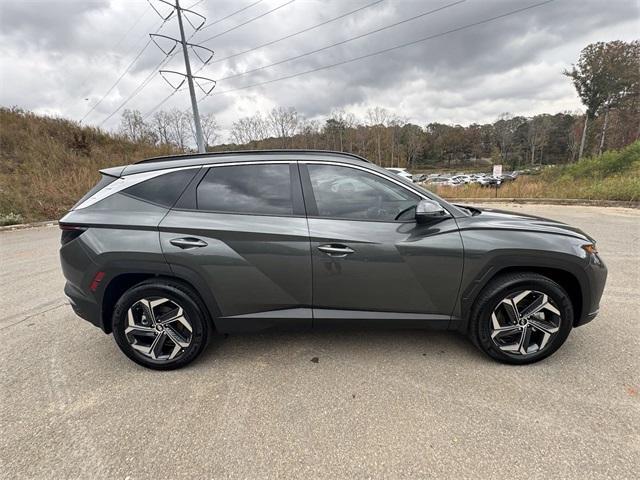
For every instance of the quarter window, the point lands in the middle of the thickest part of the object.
(344, 192)
(257, 189)
(164, 189)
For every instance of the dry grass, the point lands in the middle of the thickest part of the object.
(613, 176)
(47, 164)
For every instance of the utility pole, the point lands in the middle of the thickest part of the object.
(203, 54)
(192, 92)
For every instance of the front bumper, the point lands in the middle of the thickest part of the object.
(596, 274)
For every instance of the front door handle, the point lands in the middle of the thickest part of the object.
(188, 242)
(336, 250)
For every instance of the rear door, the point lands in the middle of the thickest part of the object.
(241, 230)
(371, 261)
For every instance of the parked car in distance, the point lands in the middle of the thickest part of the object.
(168, 251)
(402, 172)
(444, 181)
(461, 179)
(420, 177)
(489, 181)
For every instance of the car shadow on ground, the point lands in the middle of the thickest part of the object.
(342, 343)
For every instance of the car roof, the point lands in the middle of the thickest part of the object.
(195, 159)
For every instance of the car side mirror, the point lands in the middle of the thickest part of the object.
(427, 210)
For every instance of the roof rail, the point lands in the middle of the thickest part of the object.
(187, 156)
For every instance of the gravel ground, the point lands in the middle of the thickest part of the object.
(368, 404)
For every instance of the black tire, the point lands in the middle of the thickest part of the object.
(502, 287)
(181, 295)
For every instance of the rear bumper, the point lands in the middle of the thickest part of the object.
(84, 307)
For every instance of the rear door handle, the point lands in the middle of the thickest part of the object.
(188, 242)
(336, 250)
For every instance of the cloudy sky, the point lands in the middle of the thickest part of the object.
(60, 57)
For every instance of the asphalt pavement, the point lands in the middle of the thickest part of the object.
(330, 405)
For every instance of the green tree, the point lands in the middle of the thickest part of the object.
(606, 74)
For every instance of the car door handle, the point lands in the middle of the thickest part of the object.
(188, 242)
(336, 250)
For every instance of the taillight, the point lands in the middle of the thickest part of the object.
(70, 232)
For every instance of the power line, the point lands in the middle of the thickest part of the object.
(308, 29)
(164, 100)
(248, 21)
(342, 42)
(126, 70)
(137, 90)
(165, 60)
(230, 15)
(194, 5)
(386, 50)
(135, 24)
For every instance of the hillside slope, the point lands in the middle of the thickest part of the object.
(46, 164)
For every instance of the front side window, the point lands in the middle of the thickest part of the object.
(344, 192)
(256, 189)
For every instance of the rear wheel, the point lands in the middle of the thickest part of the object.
(160, 324)
(521, 318)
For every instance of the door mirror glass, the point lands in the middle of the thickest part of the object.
(427, 210)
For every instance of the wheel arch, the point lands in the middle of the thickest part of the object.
(122, 282)
(569, 280)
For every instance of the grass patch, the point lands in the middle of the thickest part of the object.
(613, 176)
(10, 219)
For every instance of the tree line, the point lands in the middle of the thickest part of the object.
(606, 77)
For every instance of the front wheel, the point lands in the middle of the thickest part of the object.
(160, 324)
(521, 318)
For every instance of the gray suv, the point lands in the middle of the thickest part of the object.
(167, 251)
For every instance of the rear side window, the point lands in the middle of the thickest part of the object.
(162, 190)
(256, 189)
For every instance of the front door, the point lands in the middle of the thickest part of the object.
(243, 233)
(371, 261)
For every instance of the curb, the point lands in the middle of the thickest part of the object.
(24, 226)
(551, 201)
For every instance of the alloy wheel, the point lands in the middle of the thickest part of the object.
(158, 329)
(524, 323)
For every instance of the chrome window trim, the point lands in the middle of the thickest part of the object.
(127, 181)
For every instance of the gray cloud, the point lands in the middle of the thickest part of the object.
(56, 54)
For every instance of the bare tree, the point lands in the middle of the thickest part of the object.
(160, 123)
(209, 126)
(249, 129)
(133, 127)
(537, 134)
(179, 127)
(283, 121)
(310, 131)
(378, 118)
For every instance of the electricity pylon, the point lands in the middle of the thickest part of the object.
(205, 84)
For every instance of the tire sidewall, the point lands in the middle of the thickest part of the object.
(501, 291)
(191, 310)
